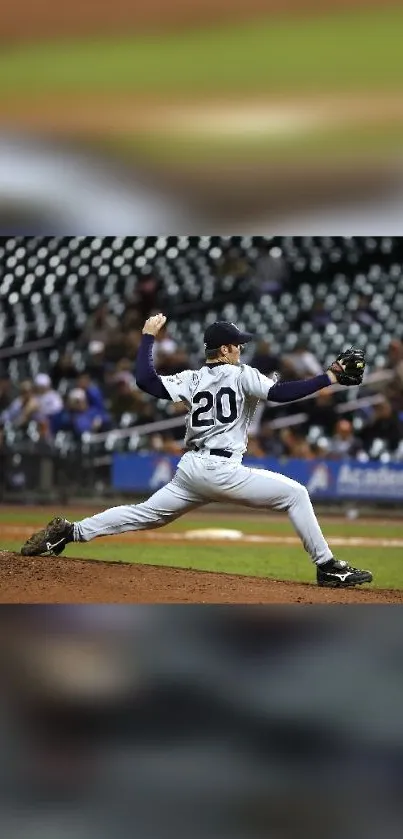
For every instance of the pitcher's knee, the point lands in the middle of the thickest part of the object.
(299, 494)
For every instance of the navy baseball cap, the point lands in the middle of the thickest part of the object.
(222, 332)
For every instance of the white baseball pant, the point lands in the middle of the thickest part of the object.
(201, 478)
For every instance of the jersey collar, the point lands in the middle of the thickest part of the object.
(216, 363)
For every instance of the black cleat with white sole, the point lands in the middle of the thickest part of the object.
(51, 541)
(339, 574)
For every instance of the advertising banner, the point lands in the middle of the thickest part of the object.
(333, 480)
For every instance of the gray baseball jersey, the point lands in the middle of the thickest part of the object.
(222, 399)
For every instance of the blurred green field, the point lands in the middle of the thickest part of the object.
(333, 51)
(285, 562)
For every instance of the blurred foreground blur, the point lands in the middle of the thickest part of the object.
(49, 187)
(222, 117)
(200, 722)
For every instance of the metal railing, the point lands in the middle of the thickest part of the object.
(30, 346)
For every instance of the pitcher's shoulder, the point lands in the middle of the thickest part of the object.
(246, 370)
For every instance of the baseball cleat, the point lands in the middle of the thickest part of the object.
(51, 541)
(339, 574)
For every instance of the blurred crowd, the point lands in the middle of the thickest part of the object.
(102, 394)
(329, 427)
(226, 723)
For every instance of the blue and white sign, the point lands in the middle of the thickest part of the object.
(145, 473)
(142, 472)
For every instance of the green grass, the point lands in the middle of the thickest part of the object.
(286, 562)
(248, 523)
(323, 52)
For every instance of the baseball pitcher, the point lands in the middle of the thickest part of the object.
(221, 399)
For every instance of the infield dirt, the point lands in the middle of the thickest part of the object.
(66, 580)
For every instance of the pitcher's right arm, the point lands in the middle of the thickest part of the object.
(176, 388)
(147, 378)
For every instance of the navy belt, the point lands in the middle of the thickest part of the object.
(218, 452)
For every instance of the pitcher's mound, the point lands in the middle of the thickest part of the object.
(65, 580)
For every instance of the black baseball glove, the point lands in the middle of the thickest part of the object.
(349, 367)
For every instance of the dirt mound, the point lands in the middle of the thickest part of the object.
(44, 18)
(61, 580)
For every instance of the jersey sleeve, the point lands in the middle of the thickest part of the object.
(178, 386)
(255, 383)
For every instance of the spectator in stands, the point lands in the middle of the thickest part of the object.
(122, 345)
(384, 424)
(65, 368)
(287, 370)
(295, 444)
(233, 263)
(176, 410)
(169, 441)
(264, 359)
(131, 319)
(6, 392)
(393, 389)
(93, 392)
(254, 448)
(321, 410)
(154, 443)
(99, 325)
(96, 361)
(115, 347)
(166, 442)
(49, 400)
(319, 315)
(302, 361)
(343, 443)
(164, 347)
(45, 440)
(269, 441)
(126, 397)
(364, 313)
(78, 417)
(395, 354)
(271, 270)
(146, 411)
(146, 294)
(124, 365)
(132, 343)
(22, 409)
(168, 357)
